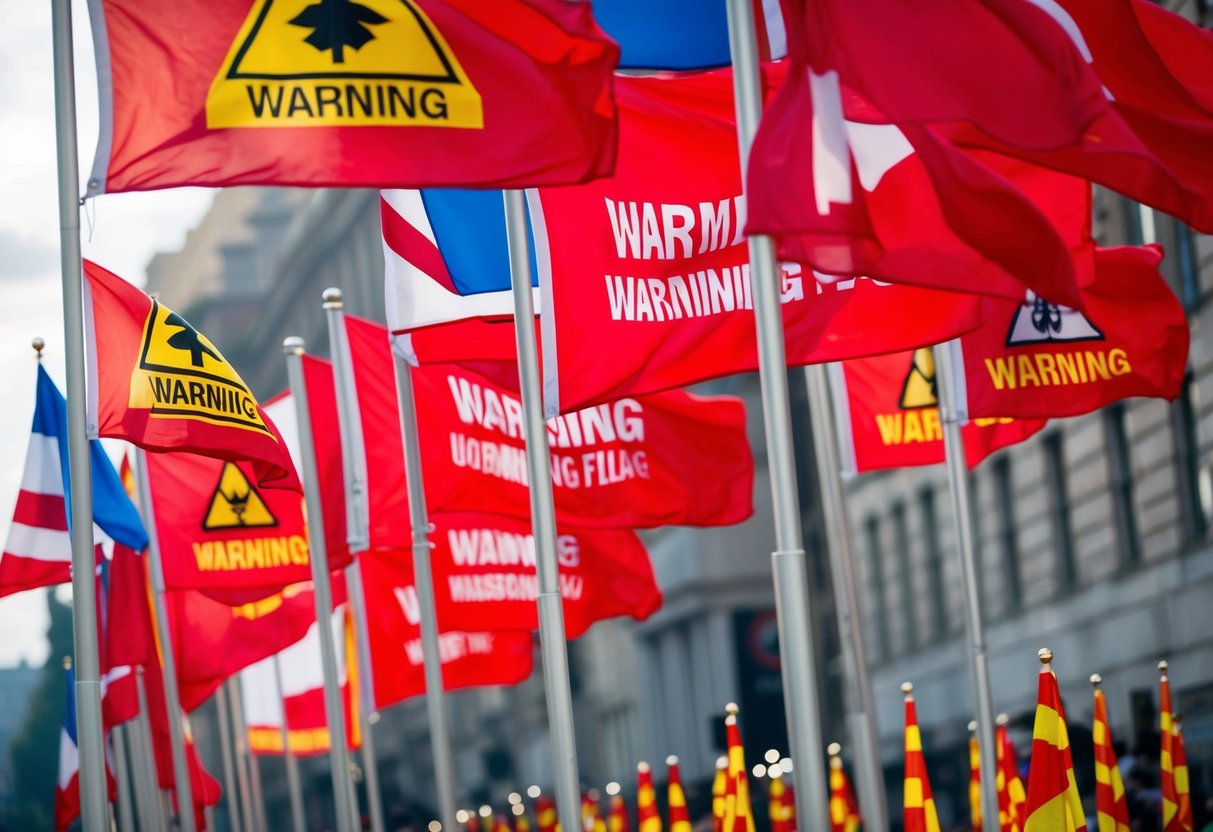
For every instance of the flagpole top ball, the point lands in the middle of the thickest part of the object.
(671, 760)
(731, 709)
(67, 662)
(642, 767)
(292, 345)
(973, 726)
(722, 762)
(1096, 679)
(1045, 655)
(1162, 667)
(1002, 719)
(833, 749)
(333, 298)
(38, 344)
(907, 688)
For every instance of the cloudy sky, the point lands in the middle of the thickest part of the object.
(121, 232)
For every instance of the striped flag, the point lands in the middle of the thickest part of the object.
(1011, 793)
(1111, 808)
(1053, 801)
(67, 784)
(38, 551)
(617, 818)
(545, 814)
(1176, 799)
(919, 813)
(844, 810)
(719, 787)
(676, 799)
(647, 819)
(781, 801)
(974, 779)
(738, 815)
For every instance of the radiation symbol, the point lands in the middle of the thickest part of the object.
(919, 388)
(1037, 321)
(236, 504)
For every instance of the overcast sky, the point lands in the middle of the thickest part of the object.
(126, 229)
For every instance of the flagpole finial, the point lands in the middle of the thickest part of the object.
(642, 767)
(973, 726)
(907, 689)
(1002, 719)
(833, 749)
(38, 344)
(1045, 655)
(333, 298)
(671, 760)
(731, 709)
(722, 762)
(67, 662)
(293, 345)
(1162, 667)
(1096, 680)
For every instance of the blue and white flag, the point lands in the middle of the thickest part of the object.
(683, 34)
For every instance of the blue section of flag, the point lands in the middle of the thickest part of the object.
(469, 227)
(112, 508)
(69, 715)
(667, 34)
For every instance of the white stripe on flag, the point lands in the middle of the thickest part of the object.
(42, 473)
(69, 759)
(259, 695)
(35, 543)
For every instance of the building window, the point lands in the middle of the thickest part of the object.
(871, 528)
(1120, 463)
(1187, 463)
(938, 613)
(1008, 532)
(1059, 510)
(901, 540)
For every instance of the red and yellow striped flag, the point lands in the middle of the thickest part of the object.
(545, 815)
(975, 819)
(1011, 794)
(1111, 808)
(521, 822)
(501, 823)
(676, 799)
(719, 786)
(844, 809)
(1053, 801)
(781, 801)
(738, 814)
(617, 818)
(1174, 798)
(918, 814)
(647, 819)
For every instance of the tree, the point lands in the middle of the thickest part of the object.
(337, 24)
(35, 748)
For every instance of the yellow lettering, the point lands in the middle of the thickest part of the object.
(1048, 370)
(913, 429)
(932, 430)
(298, 548)
(890, 427)
(1097, 365)
(1026, 371)
(278, 555)
(1067, 367)
(1002, 373)
(1118, 362)
(221, 556)
(254, 550)
(235, 554)
(204, 556)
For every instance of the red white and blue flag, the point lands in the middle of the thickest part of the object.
(38, 551)
(67, 785)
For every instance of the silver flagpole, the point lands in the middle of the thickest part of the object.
(423, 584)
(294, 790)
(122, 773)
(94, 812)
(176, 733)
(552, 642)
(788, 562)
(954, 412)
(152, 809)
(846, 597)
(226, 734)
(339, 758)
(358, 534)
(241, 750)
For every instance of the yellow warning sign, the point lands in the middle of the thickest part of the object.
(181, 374)
(919, 388)
(341, 63)
(236, 504)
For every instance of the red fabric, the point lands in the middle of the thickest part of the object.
(484, 574)
(147, 403)
(1033, 360)
(652, 261)
(540, 68)
(669, 458)
(204, 788)
(1001, 64)
(469, 659)
(884, 434)
(127, 640)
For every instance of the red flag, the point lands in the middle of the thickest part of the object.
(127, 640)
(1001, 64)
(469, 659)
(424, 92)
(1035, 359)
(653, 261)
(670, 458)
(892, 416)
(158, 383)
(484, 574)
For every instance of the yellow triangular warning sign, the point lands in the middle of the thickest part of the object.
(236, 504)
(919, 389)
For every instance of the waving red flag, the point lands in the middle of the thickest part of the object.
(158, 383)
(1035, 359)
(374, 93)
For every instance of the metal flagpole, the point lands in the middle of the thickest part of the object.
(229, 767)
(176, 733)
(358, 534)
(788, 561)
(259, 813)
(846, 598)
(423, 584)
(126, 816)
(552, 643)
(94, 812)
(953, 410)
(151, 808)
(242, 755)
(292, 765)
(339, 759)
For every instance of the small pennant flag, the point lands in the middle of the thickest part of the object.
(647, 819)
(974, 779)
(738, 815)
(1012, 796)
(781, 802)
(1173, 766)
(1111, 807)
(617, 819)
(719, 787)
(844, 809)
(680, 817)
(919, 809)
(1053, 801)
(545, 814)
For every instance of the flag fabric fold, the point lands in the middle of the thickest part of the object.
(1012, 797)
(844, 808)
(1173, 764)
(1053, 803)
